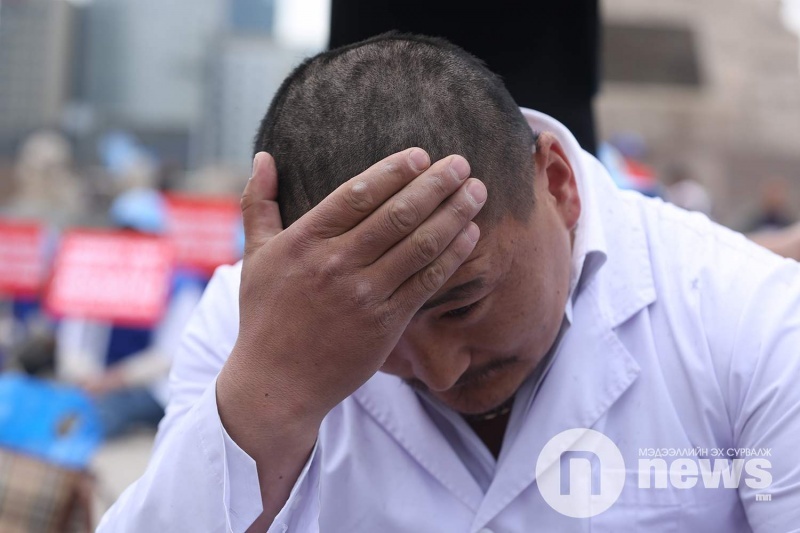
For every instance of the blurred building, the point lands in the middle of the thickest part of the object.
(245, 66)
(36, 42)
(712, 86)
(243, 74)
(252, 16)
(143, 66)
(144, 59)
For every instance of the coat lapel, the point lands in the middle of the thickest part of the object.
(395, 406)
(591, 371)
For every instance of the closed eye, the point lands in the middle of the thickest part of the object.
(461, 312)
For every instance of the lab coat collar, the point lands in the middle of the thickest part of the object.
(592, 367)
(589, 248)
(607, 216)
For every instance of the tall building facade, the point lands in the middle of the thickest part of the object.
(144, 59)
(35, 56)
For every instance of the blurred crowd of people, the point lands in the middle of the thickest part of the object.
(122, 366)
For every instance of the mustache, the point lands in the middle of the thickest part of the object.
(470, 376)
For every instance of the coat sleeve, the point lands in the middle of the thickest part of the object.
(765, 401)
(198, 479)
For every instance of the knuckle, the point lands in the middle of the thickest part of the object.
(433, 277)
(363, 294)
(402, 215)
(333, 266)
(461, 210)
(369, 239)
(391, 167)
(246, 201)
(385, 317)
(426, 246)
(438, 186)
(358, 197)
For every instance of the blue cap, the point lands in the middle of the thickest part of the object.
(139, 209)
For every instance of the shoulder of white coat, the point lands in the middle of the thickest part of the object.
(711, 276)
(221, 305)
(688, 247)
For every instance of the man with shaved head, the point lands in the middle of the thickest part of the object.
(449, 319)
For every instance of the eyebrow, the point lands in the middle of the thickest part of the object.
(456, 293)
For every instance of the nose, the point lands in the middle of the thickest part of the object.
(438, 362)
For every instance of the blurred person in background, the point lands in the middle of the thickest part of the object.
(775, 225)
(45, 186)
(684, 191)
(45, 190)
(774, 210)
(626, 171)
(773, 231)
(132, 388)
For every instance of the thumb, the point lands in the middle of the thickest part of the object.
(260, 214)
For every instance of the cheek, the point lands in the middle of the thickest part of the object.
(533, 312)
(512, 331)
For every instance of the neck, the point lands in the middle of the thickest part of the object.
(491, 425)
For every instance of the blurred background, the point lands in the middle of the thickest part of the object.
(126, 131)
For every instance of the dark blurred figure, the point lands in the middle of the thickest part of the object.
(774, 210)
(546, 52)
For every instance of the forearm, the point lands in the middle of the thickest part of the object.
(279, 435)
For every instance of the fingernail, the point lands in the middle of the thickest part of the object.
(255, 166)
(477, 190)
(473, 232)
(460, 168)
(419, 159)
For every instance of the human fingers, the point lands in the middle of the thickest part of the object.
(402, 214)
(260, 214)
(357, 198)
(420, 287)
(433, 236)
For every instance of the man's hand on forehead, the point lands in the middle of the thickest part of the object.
(323, 302)
(404, 221)
(353, 270)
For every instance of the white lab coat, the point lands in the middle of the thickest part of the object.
(686, 337)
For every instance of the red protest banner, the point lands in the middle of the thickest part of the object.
(203, 230)
(23, 264)
(114, 276)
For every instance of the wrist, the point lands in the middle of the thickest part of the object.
(257, 406)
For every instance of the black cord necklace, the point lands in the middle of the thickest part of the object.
(501, 410)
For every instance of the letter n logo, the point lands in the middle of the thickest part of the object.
(580, 473)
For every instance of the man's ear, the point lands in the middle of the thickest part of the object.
(556, 179)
